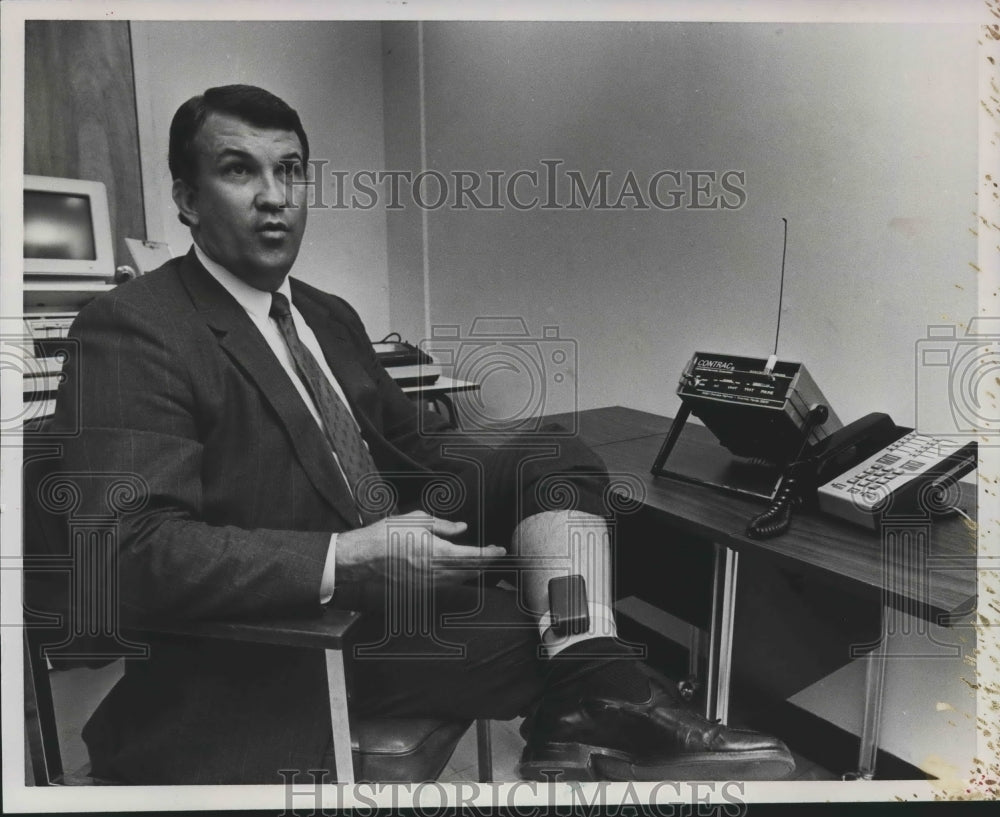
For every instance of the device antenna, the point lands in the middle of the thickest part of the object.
(773, 359)
(781, 288)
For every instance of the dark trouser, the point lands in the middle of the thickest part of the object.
(469, 653)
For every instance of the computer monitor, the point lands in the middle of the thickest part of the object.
(67, 229)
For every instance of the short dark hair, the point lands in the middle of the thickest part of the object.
(253, 105)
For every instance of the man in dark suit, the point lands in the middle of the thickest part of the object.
(254, 411)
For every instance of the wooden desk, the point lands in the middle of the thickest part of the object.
(919, 568)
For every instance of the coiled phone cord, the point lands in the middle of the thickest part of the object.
(776, 519)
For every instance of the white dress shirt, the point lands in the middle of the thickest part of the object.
(257, 305)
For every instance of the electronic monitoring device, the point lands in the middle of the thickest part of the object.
(757, 408)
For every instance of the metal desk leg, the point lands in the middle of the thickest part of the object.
(905, 548)
(689, 686)
(339, 719)
(720, 651)
(696, 651)
(484, 750)
(871, 724)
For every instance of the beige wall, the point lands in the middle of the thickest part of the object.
(331, 73)
(402, 105)
(864, 137)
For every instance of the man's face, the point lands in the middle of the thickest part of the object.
(246, 211)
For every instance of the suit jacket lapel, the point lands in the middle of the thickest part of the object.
(241, 340)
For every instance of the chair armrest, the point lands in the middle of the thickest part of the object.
(327, 631)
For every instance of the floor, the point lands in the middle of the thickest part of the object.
(507, 745)
(76, 693)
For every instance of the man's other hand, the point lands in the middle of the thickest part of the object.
(409, 548)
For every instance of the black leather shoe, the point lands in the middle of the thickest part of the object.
(598, 738)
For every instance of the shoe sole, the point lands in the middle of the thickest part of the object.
(577, 761)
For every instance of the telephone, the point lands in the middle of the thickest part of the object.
(865, 470)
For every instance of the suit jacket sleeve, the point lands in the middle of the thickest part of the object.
(128, 406)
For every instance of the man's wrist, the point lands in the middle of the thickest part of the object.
(326, 584)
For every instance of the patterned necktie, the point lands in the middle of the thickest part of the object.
(341, 430)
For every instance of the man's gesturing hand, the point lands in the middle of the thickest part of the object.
(408, 548)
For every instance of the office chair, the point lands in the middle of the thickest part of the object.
(375, 749)
(370, 749)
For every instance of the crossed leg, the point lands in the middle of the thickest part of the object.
(593, 710)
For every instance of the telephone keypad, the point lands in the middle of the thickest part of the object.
(865, 485)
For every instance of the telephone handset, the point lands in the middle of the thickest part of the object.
(863, 469)
(851, 444)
